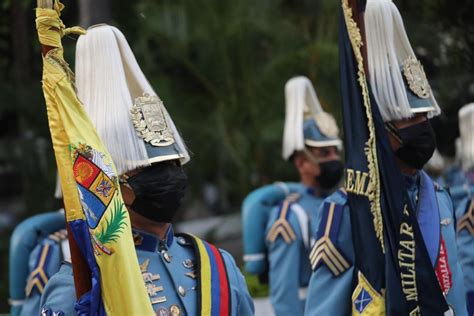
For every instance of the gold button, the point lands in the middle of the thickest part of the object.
(174, 310)
(166, 256)
(188, 263)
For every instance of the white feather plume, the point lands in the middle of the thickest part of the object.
(108, 79)
(466, 128)
(388, 47)
(301, 100)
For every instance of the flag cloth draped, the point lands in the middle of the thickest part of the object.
(395, 274)
(95, 211)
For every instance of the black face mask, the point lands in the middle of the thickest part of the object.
(418, 144)
(331, 173)
(158, 190)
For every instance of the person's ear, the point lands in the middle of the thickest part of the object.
(299, 161)
(128, 195)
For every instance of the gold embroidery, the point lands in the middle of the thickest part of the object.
(325, 251)
(406, 260)
(356, 182)
(144, 265)
(281, 227)
(57, 61)
(373, 187)
(149, 119)
(416, 77)
(38, 273)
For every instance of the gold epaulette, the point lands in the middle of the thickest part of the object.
(467, 221)
(324, 250)
(281, 227)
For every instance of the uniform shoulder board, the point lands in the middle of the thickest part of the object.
(59, 235)
(325, 250)
(39, 276)
(281, 227)
(467, 220)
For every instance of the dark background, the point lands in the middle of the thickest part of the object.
(220, 68)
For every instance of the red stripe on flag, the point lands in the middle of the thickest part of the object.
(224, 286)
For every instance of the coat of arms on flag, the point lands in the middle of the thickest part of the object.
(95, 181)
(98, 186)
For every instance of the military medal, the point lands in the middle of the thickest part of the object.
(149, 277)
(446, 222)
(144, 265)
(162, 312)
(158, 300)
(191, 274)
(152, 289)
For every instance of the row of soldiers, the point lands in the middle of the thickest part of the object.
(298, 236)
(302, 236)
(298, 232)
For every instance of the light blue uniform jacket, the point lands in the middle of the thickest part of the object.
(289, 267)
(330, 295)
(168, 269)
(465, 239)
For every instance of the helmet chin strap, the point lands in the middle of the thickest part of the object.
(311, 157)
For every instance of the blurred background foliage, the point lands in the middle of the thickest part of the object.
(220, 67)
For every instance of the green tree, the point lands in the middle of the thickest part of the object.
(220, 68)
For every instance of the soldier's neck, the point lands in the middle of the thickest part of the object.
(144, 224)
(309, 182)
(406, 169)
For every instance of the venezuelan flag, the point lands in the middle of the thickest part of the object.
(95, 212)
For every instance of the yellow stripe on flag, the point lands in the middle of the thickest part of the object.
(205, 278)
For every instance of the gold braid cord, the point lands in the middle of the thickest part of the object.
(370, 147)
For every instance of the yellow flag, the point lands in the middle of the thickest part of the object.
(95, 210)
(365, 300)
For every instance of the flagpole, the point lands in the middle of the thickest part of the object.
(80, 268)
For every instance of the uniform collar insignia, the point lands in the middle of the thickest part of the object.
(149, 242)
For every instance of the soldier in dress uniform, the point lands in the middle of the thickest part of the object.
(311, 143)
(183, 274)
(459, 176)
(465, 210)
(455, 176)
(405, 102)
(38, 245)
